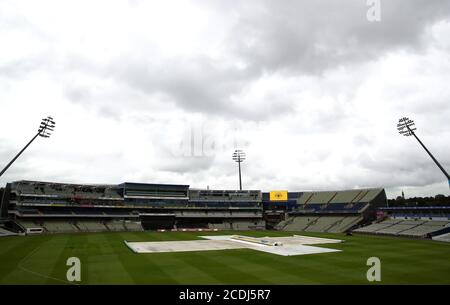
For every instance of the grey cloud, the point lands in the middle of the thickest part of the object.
(401, 165)
(194, 84)
(186, 164)
(20, 169)
(312, 36)
(296, 37)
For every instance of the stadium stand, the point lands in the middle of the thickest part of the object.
(426, 228)
(115, 226)
(331, 224)
(60, 207)
(28, 224)
(74, 226)
(133, 226)
(409, 227)
(377, 226)
(91, 226)
(322, 224)
(409, 219)
(333, 211)
(220, 226)
(54, 226)
(299, 223)
(344, 224)
(443, 237)
(4, 232)
(49, 207)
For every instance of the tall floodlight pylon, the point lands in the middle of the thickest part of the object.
(406, 127)
(239, 157)
(45, 130)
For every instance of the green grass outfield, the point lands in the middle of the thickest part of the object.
(106, 260)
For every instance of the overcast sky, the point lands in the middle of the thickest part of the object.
(164, 91)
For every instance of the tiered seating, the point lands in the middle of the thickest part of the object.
(346, 196)
(401, 226)
(411, 227)
(443, 237)
(333, 224)
(133, 226)
(240, 225)
(345, 224)
(350, 201)
(425, 228)
(28, 224)
(298, 223)
(4, 233)
(305, 198)
(320, 198)
(377, 226)
(115, 226)
(220, 226)
(369, 195)
(246, 225)
(91, 226)
(85, 225)
(322, 224)
(55, 226)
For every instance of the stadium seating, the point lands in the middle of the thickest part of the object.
(55, 226)
(343, 196)
(28, 224)
(115, 226)
(408, 227)
(220, 226)
(91, 226)
(377, 226)
(443, 237)
(333, 197)
(86, 225)
(247, 225)
(62, 207)
(322, 224)
(344, 224)
(4, 232)
(298, 223)
(332, 224)
(133, 226)
(396, 229)
(425, 228)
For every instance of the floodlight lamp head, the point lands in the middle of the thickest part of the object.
(46, 127)
(238, 155)
(406, 127)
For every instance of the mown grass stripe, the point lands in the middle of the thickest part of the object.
(220, 266)
(43, 261)
(105, 259)
(9, 269)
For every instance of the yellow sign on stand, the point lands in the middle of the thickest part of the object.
(278, 195)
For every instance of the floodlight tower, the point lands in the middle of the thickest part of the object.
(239, 157)
(45, 129)
(406, 127)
